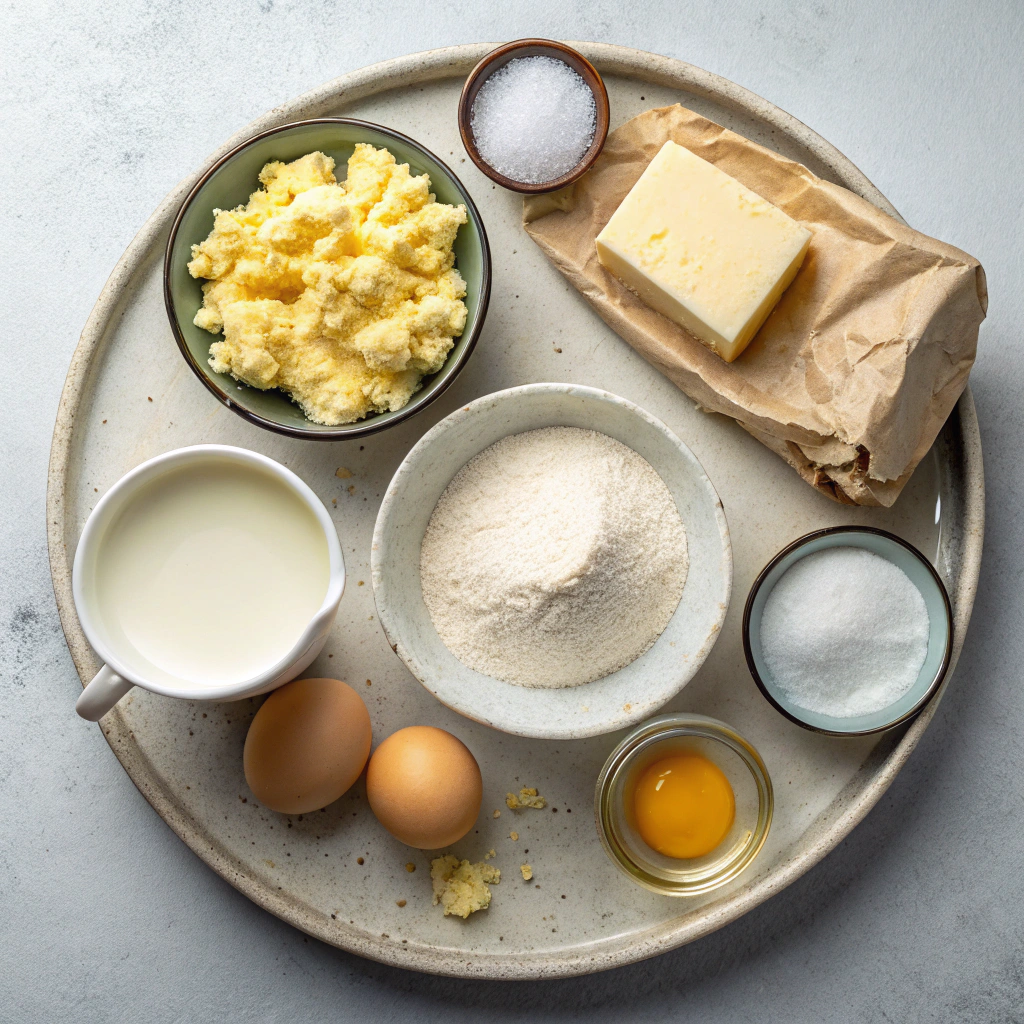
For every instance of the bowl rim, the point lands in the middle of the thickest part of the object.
(369, 425)
(506, 53)
(800, 542)
(382, 586)
(638, 739)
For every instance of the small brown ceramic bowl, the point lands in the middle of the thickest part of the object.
(533, 48)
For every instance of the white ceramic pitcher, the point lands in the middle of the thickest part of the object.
(121, 670)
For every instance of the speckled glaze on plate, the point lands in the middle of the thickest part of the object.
(306, 871)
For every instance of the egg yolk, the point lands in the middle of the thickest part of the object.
(684, 806)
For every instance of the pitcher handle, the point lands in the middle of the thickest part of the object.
(102, 693)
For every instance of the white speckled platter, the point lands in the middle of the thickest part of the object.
(336, 874)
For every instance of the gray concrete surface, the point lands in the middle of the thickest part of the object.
(104, 914)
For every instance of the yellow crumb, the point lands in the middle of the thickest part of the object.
(460, 887)
(514, 836)
(399, 903)
(527, 798)
(342, 473)
(489, 854)
(344, 295)
(497, 814)
(527, 872)
(410, 867)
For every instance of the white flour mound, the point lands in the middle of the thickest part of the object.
(553, 558)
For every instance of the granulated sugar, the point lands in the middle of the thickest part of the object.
(553, 558)
(534, 119)
(844, 632)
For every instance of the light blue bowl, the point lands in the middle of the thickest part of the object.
(940, 636)
(229, 182)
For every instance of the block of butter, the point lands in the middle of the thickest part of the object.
(702, 249)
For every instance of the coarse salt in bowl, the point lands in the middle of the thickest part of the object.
(534, 119)
(855, 713)
(534, 115)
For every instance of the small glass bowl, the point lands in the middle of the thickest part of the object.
(660, 737)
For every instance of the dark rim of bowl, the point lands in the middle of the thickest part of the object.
(537, 48)
(370, 425)
(800, 542)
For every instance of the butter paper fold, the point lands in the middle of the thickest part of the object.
(852, 376)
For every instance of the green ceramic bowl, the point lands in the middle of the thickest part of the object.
(229, 182)
(940, 633)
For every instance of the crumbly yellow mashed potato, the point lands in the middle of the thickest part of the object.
(460, 887)
(342, 295)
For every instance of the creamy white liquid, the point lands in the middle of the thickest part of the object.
(212, 572)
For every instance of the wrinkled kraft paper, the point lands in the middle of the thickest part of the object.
(852, 376)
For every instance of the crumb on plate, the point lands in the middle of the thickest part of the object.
(528, 797)
(460, 887)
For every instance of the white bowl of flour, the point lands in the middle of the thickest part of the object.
(629, 597)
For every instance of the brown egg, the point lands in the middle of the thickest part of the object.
(424, 786)
(307, 745)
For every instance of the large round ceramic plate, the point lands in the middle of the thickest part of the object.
(336, 874)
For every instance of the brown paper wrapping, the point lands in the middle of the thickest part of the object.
(852, 376)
